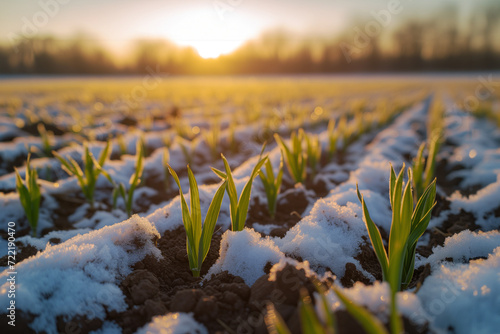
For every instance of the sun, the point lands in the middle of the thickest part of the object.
(209, 34)
(214, 48)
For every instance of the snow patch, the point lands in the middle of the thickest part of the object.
(464, 296)
(81, 275)
(173, 323)
(463, 246)
(245, 254)
(329, 237)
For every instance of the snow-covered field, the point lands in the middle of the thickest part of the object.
(91, 268)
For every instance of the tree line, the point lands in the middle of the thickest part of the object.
(443, 43)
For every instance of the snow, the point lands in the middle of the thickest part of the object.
(299, 266)
(41, 243)
(328, 238)
(376, 298)
(173, 323)
(245, 254)
(463, 246)
(464, 296)
(19, 147)
(477, 148)
(480, 204)
(101, 218)
(266, 229)
(81, 276)
(79, 213)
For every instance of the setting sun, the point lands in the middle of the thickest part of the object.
(214, 48)
(210, 34)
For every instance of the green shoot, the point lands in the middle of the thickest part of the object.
(333, 136)
(370, 323)
(198, 236)
(188, 150)
(313, 146)
(435, 120)
(423, 177)
(147, 122)
(212, 139)
(239, 208)
(122, 144)
(357, 126)
(311, 323)
(383, 112)
(295, 157)
(134, 181)
(408, 225)
(274, 322)
(29, 195)
(272, 185)
(168, 140)
(184, 131)
(342, 128)
(47, 139)
(309, 320)
(92, 168)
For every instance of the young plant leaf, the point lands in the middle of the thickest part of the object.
(369, 322)
(239, 207)
(274, 322)
(198, 235)
(375, 237)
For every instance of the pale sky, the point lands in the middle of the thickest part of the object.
(226, 23)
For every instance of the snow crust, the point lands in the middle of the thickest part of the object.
(245, 254)
(173, 323)
(80, 276)
(464, 296)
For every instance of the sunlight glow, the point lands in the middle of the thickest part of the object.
(213, 49)
(210, 35)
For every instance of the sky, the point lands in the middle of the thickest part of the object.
(212, 27)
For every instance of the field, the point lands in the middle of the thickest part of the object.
(95, 236)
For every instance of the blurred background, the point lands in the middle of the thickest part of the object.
(247, 36)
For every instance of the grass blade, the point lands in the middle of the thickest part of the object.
(375, 237)
(188, 225)
(396, 229)
(308, 318)
(195, 206)
(369, 322)
(210, 222)
(244, 200)
(274, 322)
(231, 191)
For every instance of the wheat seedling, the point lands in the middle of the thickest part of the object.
(134, 181)
(272, 185)
(29, 195)
(239, 207)
(294, 156)
(92, 168)
(198, 236)
(408, 225)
